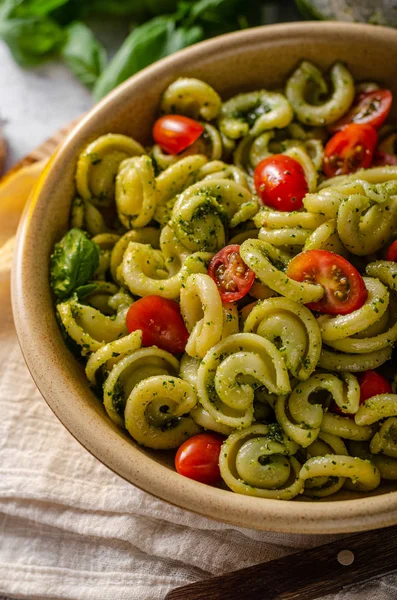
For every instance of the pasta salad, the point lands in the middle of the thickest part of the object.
(231, 289)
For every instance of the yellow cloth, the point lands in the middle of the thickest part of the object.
(15, 190)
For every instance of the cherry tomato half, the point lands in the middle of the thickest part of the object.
(175, 133)
(198, 458)
(230, 273)
(160, 321)
(372, 384)
(383, 158)
(370, 108)
(280, 182)
(350, 149)
(344, 289)
(392, 252)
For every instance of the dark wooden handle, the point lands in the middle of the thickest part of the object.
(306, 575)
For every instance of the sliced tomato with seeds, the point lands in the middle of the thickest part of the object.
(160, 321)
(369, 108)
(232, 276)
(350, 149)
(392, 252)
(175, 133)
(280, 182)
(344, 289)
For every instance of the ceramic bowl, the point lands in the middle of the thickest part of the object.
(256, 58)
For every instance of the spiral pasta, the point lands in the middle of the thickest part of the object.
(332, 109)
(259, 461)
(232, 370)
(98, 165)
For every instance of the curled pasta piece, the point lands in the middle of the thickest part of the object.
(99, 163)
(364, 227)
(251, 150)
(136, 194)
(201, 309)
(385, 270)
(111, 353)
(320, 487)
(253, 113)
(381, 406)
(258, 462)
(177, 177)
(100, 296)
(275, 219)
(345, 428)
(231, 372)
(325, 237)
(328, 200)
(373, 175)
(381, 334)
(144, 271)
(342, 326)
(91, 329)
(330, 110)
(217, 169)
(293, 328)
(202, 211)
(386, 465)
(385, 440)
(301, 419)
(230, 319)
(355, 363)
(268, 264)
(188, 371)
(363, 473)
(156, 409)
(191, 97)
(85, 215)
(128, 372)
(302, 157)
(145, 235)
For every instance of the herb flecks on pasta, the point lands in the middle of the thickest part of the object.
(221, 289)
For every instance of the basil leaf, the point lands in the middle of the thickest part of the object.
(146, 44)
(85, 290)
(31, 39)
(83, 53)
(36, 8)
(73, 262)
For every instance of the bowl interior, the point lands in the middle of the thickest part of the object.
(259, 58)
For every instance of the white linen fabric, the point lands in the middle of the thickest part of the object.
(73, 530)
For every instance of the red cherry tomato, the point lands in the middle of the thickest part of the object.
(383, 158)
(175, 133)
(370, 108)
(280, 182)
(350, 149)
(198, 458)
(230, 273)
(372, 384)
(160, 321)
(344, 289)
(392, 252)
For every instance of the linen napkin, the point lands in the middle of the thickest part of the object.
(73, 530)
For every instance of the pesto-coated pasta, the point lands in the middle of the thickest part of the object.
(205, 295)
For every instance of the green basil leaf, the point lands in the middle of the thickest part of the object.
(73, 262)
(146, 44)
(31, 39)
(83, 53)
(36, 8)
(85, 290)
